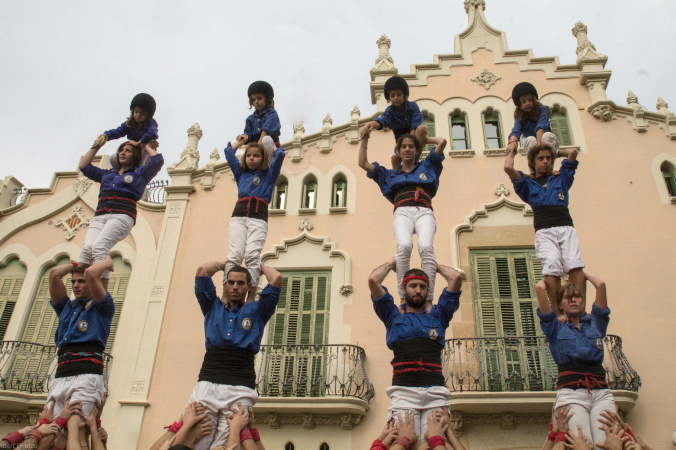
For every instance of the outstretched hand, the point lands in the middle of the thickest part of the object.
(389, 433)
(407, 427)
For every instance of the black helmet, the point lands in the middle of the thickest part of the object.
(261, 87)
(145, 101)
(523, 89)
(396, 83)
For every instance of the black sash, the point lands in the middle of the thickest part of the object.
(549, 216)
(233, 366)
(417, 363)
(79, 359)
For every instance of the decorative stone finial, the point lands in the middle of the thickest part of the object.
(299, 129)
(327, 122)
(384, 61)
(214, 156)
(474, 4)
(585, 49)
(305, 225)
(355, 113)
(632, 101)
(190, 157)
(502, 190)
(195, 130)
(663, 106)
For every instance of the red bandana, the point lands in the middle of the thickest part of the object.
(414, 277)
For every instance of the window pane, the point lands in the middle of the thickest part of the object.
(459, 133)
(492, 130)
(279, 196)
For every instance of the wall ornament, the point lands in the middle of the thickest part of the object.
(73, 223)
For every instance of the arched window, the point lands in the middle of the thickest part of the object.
(339, 194)
(11, 280)
(459, 130)
(309, 200)
(279, 194)
(324, 446)
(560, 127)
(492, 128)
(428, 121)
(669, 174)
(289, 446)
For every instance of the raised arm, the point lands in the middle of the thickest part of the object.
(570, 153)
(600, 286)
(210, 268)
(88, 157)
(93, 276)
(272, 275)
(363, 149)
(514, 175)
(453, 277)
(543, 301)
(57, 290)
(439, 142)
(377, 276)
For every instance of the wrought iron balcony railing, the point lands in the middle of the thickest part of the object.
(155, 192)
(29, 367)
(522, 364)
(313, 371)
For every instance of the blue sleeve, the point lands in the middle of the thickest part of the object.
(117, 133)
(521, 187)
(248, 127)
(276, 165)
(94, 173)
(384, 118)
(267, 302)
(567, 171)
(233, 161)
(543, 120)
(378, 174)
(151, 134)
(106, 307)
(448, 304)
(385, 307)
(60, 305)
(205, 291)
(272, 124)
(517, 130)
(150, 170)
(435, 161)
(417, 118)
(549, 324)
(601, 318)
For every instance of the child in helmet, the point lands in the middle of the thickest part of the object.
(263, 125)
(402, 116)
(140, 128)
(531, 120)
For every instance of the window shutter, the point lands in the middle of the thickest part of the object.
(559, 123)
(117, 286)
(431, 131)
(11, 281)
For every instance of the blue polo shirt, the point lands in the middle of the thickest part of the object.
(556, 192)
(241, 327)
(530, 128)
(398, 121)
(144, 135)
(567, 343)
(267, 120)
(78, 324)
(132, 182)
(260, 183)
(425, 173)
(432, 325)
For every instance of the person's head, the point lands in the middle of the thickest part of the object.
(541, 160)
(142, 108)
(396, 90)
(571, 300)
(78, 281)
(128, 155)
(237, 284)
(415, 284)
(408, 148)
(261, 95)
(254, 158)
(524, 95)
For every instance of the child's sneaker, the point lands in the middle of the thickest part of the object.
(269, 147)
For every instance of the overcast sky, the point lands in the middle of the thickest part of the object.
(70, 68)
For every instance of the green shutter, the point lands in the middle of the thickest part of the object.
(431, 131)
(559, 123)
(12, 277)
(117, 286)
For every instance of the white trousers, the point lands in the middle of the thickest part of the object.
(586, 408)
(548, 138)
(406, 221)
(558, 249)
(422, 402)
(246, 238)
(102, 234)
(218, 399)
(87, 389)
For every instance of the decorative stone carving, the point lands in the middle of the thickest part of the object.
(308, 420)
(190, 157)
(585, 49)
(157, 291)
(505, 420)
(175, 208)
(603, 113)
(346, 290)
(632, 101)
(474, 4)
(355, 113)
(663, 106)
(73, 223)
(210, 174)
(137, 387)
(81, 184)
(15, 419)
(486, 79)
(306, 225)
(298, 130)
(502, 190)
(384, 61)
(327, 122)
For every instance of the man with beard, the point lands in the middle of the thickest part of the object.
(417, 339)
(233, 330)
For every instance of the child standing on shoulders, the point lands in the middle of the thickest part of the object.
(140, 128)
(402, 116)
(256, 177)
(556, 243)
(263, 125)
(531, 120)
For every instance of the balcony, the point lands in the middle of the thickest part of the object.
(312, 385)
(517, 375)
(25, 372)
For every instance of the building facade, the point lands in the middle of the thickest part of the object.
(324, 368)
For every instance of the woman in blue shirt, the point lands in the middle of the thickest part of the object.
(577, 349)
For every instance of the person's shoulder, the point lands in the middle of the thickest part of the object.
(410, 104)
